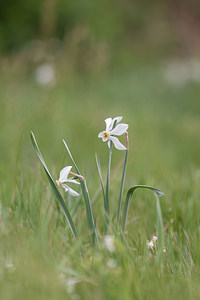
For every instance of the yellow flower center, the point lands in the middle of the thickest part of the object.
(58, 183)
(105, 135)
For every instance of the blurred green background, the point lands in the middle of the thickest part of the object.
(165, 26)
(65, 66)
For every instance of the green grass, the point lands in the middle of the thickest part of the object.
(164, 152)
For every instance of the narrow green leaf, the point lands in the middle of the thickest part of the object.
(77, 170)
(102, 187)
(122, 188)
(54, 187)
(89, 213)
(129, 196)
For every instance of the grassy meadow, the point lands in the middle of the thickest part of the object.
(39, 258)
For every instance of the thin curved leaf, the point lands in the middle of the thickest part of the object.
(129, 196)
(54, 187)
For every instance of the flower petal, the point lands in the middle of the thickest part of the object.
(119, 129)
(108, 143)
(117, 143)
(64, 174)
(72, 192)
(73, 181)
(108, 123)
(100, 135)
(117, 119)
(65, 187)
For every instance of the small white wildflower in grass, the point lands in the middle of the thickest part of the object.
(63, 179)
(68, 282)
(180, 72)
(109, 244)
(109, 134)
(45, 75)
(150, 245)
(154, 238)
(111, 263)
(71, 285)
(9, 265)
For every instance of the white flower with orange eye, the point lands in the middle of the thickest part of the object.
(63, 179)
(109, 134)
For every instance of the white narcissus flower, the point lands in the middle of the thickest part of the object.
(63, 179)
(110, 132)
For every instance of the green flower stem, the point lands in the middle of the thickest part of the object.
(160, 231)
(122, 181)
(107, 187)
(122, 188)
(103, 191)
(89, 213)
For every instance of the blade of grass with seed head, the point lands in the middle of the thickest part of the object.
(54, 187)
(90, 217)
(129, 196)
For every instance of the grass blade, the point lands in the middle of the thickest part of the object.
(122, 188)
(77, 170)
(90, 217)
(54, 187)
(129, 196)
(103, 191)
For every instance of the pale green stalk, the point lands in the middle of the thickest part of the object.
(122, 181)
(103, 191)
(160, 231)
(90, 218)
(107, 186)
(122, 188)
(54, 187)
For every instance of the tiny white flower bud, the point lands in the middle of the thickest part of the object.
(150, 245)
(109, 244)
(111, 263)
(154, 238)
